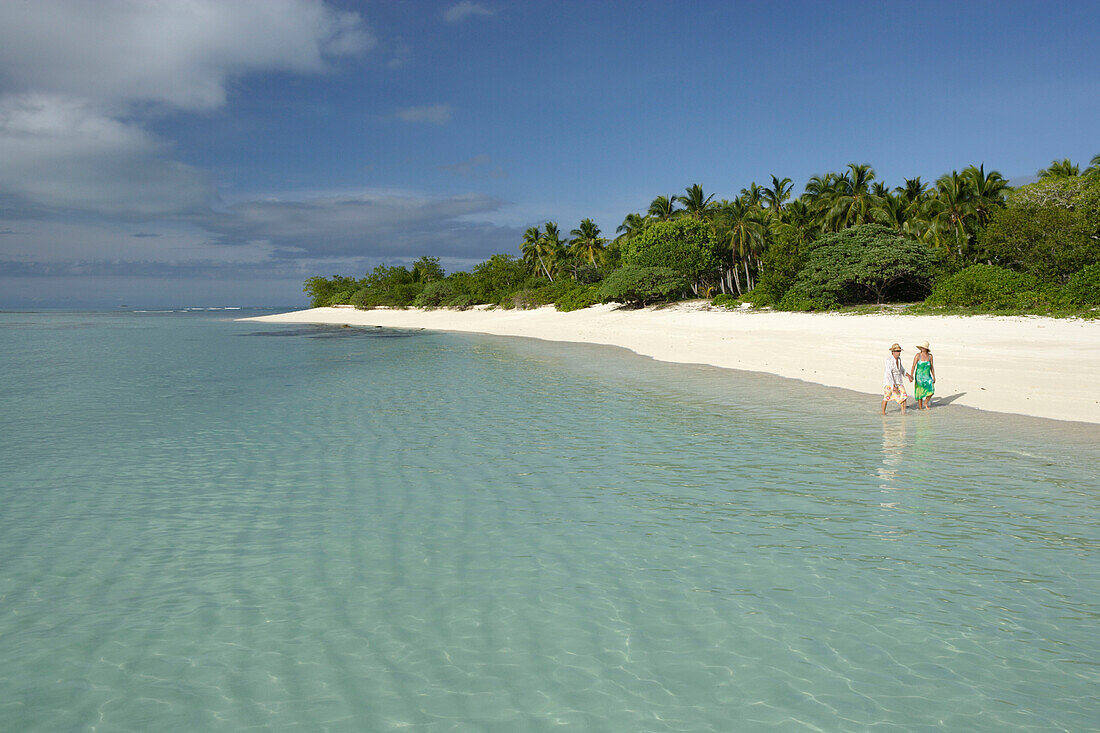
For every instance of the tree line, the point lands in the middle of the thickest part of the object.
(967, 240)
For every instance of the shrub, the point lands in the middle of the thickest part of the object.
(642, 285)
(685, 246)
(435, 294)
(865, 263)
(324, 292)
(1083, 288)
(726, 301)
(782, 262)
(802, 297)
(988, 287)
(1048, 242)
(577, 298)
(497, 277)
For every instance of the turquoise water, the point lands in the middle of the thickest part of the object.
(209, 525)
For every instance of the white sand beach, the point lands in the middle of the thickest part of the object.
(1023, 365)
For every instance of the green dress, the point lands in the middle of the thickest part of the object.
(922, 378)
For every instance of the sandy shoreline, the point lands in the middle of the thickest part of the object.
(1029, 366)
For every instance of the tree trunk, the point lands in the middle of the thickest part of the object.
(736, 279)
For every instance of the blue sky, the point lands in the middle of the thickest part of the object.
(211, 152)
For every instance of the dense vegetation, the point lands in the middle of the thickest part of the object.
(968, 242)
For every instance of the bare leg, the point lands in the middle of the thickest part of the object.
(884, 406)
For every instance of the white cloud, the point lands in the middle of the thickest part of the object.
(62, 154)
(77, 78)
(436, 114)
(466, 9)
(179, 53)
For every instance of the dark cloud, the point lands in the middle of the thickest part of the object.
(370, 225)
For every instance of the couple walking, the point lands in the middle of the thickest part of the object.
(922, 373)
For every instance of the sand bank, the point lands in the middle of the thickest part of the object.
(1029, 366)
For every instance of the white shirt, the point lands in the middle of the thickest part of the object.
(893, 372)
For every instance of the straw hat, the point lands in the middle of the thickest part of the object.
(895, 346)
(924, 345)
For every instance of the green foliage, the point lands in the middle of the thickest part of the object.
(577, 298)
(497, 278)
(386, 286)
(427, 269)
(684, 245)
(782, 262)
(324, 292)
(726, 300)
(864, 263)
(987, 287)
(1047, 241)
(803, 296)
(642, 285)
(1083, 289)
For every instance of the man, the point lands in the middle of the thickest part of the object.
(893, 379)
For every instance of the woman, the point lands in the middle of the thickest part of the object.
(893, 379)
(923, 374)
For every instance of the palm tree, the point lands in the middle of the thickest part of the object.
(987, 191)
(632, 225)
(820, 193)
(553, 248)
(896, 212)
(778, 194)
(744, 225)
(856, 200)
(915, 191)
(532, 251)
(664, 208)
(1060, 169)
(586, 242)
(796, 221)
(1094, 166)
(953, 206)
(696, 205)
(753, 195)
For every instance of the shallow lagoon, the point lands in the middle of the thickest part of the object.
(216, 525)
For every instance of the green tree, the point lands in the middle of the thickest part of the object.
(866, 262)
(532, 250)
(776, 195)
(697, 205)
(496, 278)
(1048, 242)
(586, 243)
(427, 269)
(325, 292)
(632, 225)
(1060, 169)
(987, 191)
(663, 208)
(1094, 166)
(745, 230)
(953, 207)
(686, 246)
(641, 286)
(855, 201)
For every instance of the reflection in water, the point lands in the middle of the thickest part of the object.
(893, 454)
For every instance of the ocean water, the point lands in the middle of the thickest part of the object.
(211, 525)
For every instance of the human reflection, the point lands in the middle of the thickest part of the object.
(893, 454)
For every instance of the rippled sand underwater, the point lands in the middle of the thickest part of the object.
(210, 525)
